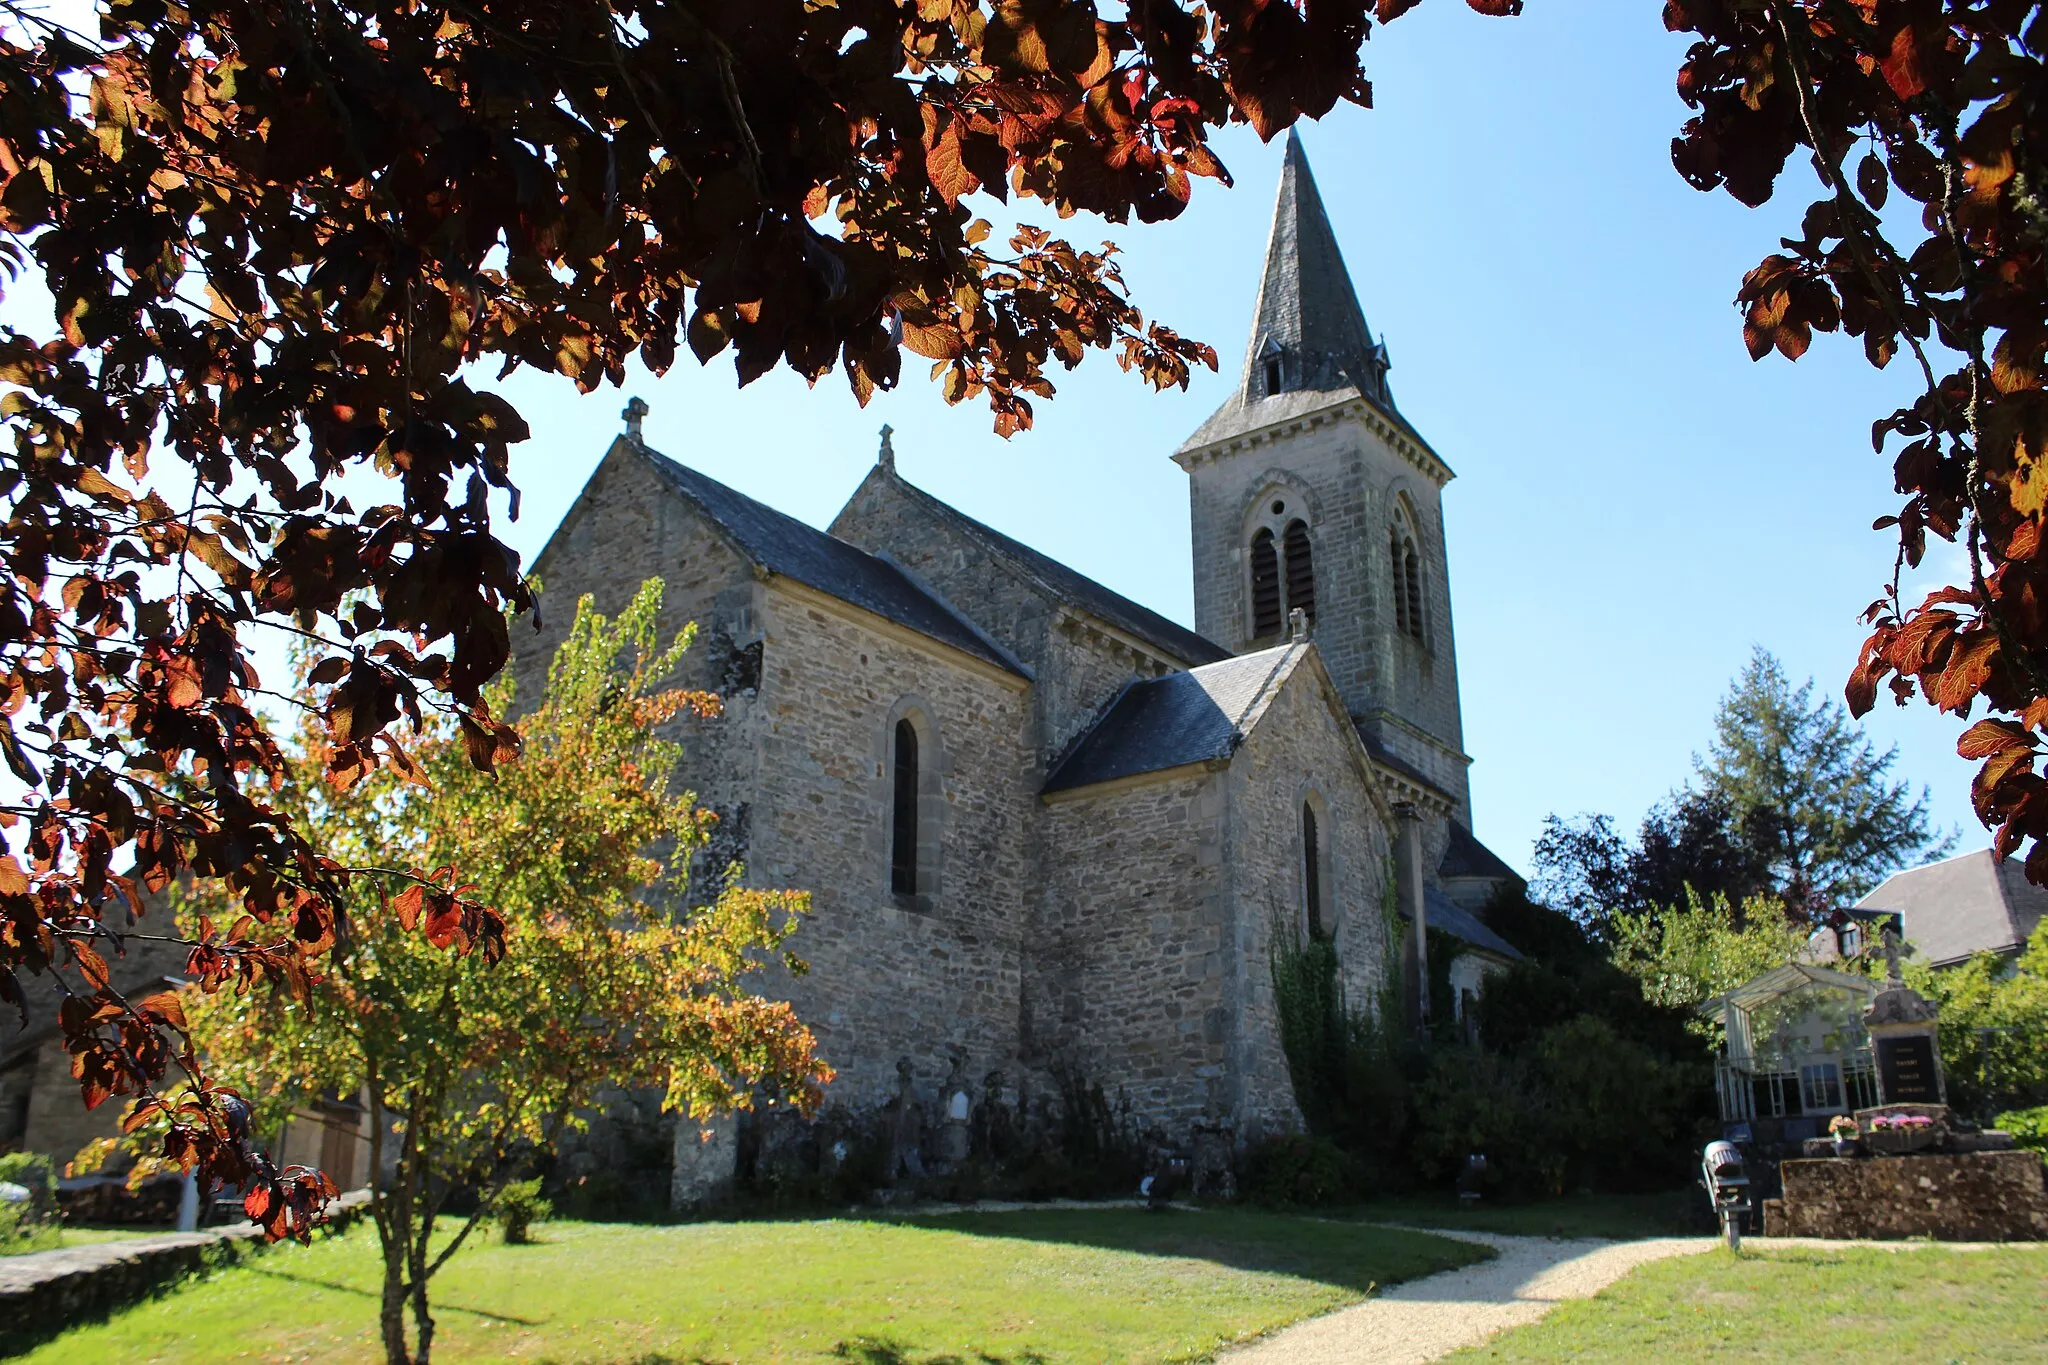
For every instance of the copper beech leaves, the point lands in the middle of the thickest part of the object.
(1947, 103)
(277, 237)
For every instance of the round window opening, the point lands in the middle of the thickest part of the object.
(1278, 508)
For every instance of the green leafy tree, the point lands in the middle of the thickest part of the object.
(1684, 958)
(478, 1063)
(1994, 1027)
(1795, 764)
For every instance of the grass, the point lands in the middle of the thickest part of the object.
(1083, 1285)
(1671, 1213)
(1817, 1307)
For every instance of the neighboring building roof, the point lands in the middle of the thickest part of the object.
(1961, 906)
(1465, 856)
(1160, 723)
(1308, 314)
(1455, 920)
(1078, 590)
(783, 545)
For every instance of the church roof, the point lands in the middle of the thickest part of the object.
(1460, 923)
(1465, 856)
(1078, 590)
(780, 544)
(1308, 315)
(1160, 723)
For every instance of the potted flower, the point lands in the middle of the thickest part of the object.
(1897, 1134)
(1844, 1131)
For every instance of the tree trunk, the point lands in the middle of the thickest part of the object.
(423, 1321)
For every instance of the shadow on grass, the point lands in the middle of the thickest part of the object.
(854, 1350)
(1341, 1255)
(439, 1305)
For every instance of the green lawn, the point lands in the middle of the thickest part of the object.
(1847, 1307)
(1108, 1285)
(1670, 1214)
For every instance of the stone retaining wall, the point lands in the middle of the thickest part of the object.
(1969, 1197)
(45, 1292)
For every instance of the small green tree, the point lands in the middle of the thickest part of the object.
(478, 1063)
(1836, 823)
(1994, 1027)
(1682, 958)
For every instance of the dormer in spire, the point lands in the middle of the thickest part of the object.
(1308, 335)
(1308, 318)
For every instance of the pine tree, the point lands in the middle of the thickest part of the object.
(1801, 772)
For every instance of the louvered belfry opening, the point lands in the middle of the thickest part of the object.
(1301, 571)
(1265, 585)
(1397, 564)
(1312, 871)
(903, 815)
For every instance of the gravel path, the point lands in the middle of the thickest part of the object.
(1431, 1317)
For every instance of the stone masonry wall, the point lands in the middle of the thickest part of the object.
(1976, 1196)
(1351, 480)
(892, 976)
(1298, 752)
(1131, 951)
(1077, 666)
(629, 526)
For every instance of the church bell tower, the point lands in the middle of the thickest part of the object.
(1310, 491)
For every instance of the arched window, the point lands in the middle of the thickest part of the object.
(903, 816)
(1266, 612)
(1311, 871)
(1301, 572)
(1411, 588)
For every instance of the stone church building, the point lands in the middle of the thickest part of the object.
(1044, 827)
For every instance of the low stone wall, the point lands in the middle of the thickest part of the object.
(47, 1291)
(1966, 1197)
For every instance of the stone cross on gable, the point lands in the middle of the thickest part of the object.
(635, 411)
(886, 456)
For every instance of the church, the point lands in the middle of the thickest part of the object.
(1045, 829)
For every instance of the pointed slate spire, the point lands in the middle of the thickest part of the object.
(1308, 331)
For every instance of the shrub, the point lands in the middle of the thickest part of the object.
(519, 1207)
(2029, 1127)
(1472, 1100)
(30, 1226)
(1297, 1170)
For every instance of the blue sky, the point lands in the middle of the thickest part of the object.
(1637, 503)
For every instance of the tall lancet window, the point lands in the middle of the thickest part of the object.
(1411, 589)
(1266, 611)
(1311, 870)
(1301, 571)
(903, 815)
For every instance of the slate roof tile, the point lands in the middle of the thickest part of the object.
(1160, 723)
(783, 545)
(1078, 590)
(1455, 920)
